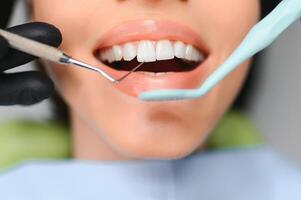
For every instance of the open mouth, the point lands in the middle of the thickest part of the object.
(171, 55)
(159, 57)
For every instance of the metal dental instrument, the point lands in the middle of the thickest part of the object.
(53, 54)
(260, 36)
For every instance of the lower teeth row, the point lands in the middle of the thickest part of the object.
(154, 73)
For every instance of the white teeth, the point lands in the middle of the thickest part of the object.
(179, 48)
(192, 54)
(110, 55)
(117, 51)
(146, 52)
(149, 51)
(154, 73)
(129, 52)
(196, 56)
(164, 50)
(102, 56)
(188, 52)
(161, 74)
(199, 56)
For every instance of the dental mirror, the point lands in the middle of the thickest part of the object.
(260, 36)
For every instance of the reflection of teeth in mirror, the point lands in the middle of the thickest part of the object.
(150, 51)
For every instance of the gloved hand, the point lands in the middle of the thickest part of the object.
(25, 88)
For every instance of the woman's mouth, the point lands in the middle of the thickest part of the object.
(173, 56)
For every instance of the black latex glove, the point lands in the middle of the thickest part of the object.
(25, 88)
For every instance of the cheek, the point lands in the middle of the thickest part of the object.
(226, 21)
(81, 89)
(69, 16)
(229, 23)
(228, 89)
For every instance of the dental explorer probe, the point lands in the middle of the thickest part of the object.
(260, 36)
(53, 54)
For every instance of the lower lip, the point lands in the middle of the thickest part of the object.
(138, 82)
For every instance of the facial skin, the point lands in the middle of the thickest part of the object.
(110, 125)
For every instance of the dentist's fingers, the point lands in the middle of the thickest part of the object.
(4, 47)
(24, 88)
(39, 31)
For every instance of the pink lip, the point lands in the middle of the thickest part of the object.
(150, 30)
(154, 30)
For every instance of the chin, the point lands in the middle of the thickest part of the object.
(167, 139)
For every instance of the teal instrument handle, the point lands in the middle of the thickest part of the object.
(259, 37)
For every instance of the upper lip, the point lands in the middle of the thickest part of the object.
(150, 30)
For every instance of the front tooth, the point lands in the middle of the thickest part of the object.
(164, 50)
(146, 52)
(117, 51)
(129, 52)
(179, 48)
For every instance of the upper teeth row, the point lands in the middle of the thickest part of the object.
(150, 51)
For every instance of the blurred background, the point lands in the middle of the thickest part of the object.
(276, 104)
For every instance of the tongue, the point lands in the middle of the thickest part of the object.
(175, 65)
